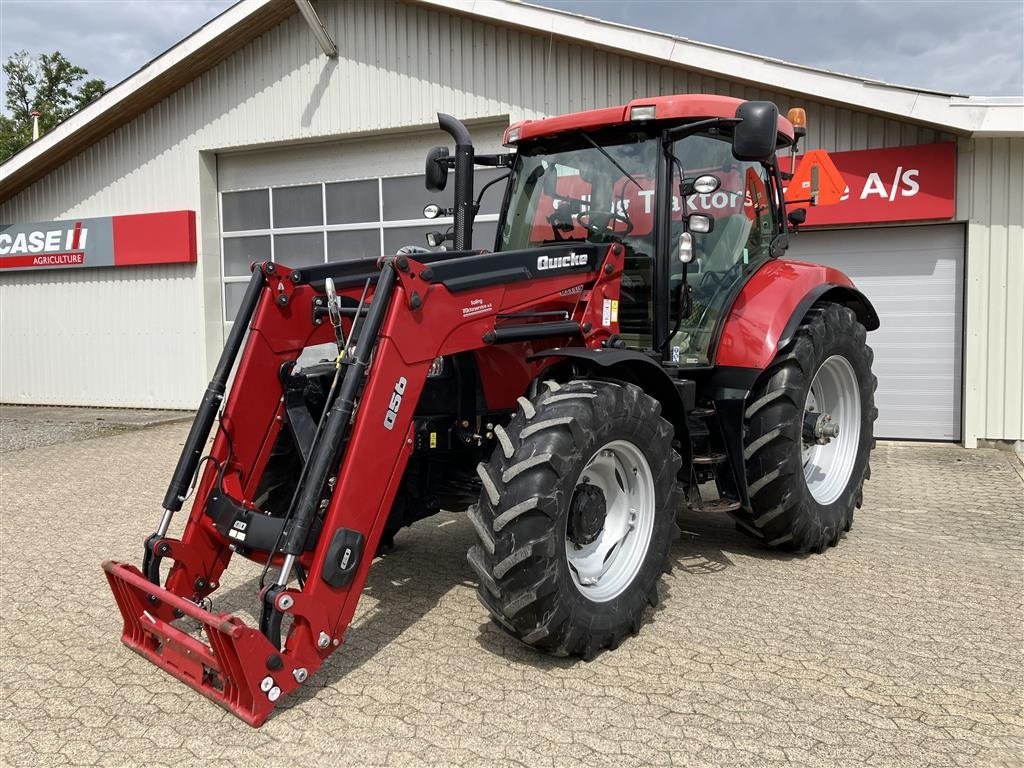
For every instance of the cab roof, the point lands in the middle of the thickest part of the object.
(684, 107)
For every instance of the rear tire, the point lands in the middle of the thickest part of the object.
(561, 567)
(803, 495)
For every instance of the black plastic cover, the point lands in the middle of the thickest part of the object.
(342, 557)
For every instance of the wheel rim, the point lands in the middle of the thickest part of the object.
(834, 391)
(604, 567)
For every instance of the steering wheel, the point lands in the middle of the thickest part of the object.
(600, 223)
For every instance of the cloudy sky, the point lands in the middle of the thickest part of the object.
(973, 48)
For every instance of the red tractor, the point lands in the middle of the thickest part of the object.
(633, 335)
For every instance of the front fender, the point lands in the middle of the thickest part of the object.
(677, 396)
(770, 307)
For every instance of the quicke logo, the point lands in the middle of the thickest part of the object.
(555, 262)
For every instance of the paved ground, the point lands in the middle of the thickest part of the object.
(904, 646)
(27, 426)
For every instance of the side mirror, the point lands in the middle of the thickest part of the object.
(797, 217)
(437, 169)
(756, 134)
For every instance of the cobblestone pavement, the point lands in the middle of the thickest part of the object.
(903, 646)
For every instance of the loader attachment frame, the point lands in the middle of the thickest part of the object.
(419, 310)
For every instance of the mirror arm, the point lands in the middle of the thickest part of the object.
(502, 160)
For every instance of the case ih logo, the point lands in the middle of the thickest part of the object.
(108, 241)
(46, 248)
(555, 262)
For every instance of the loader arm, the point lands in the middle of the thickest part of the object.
(416, 313)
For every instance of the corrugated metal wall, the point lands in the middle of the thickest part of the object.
(398, 65)
(990, 197)
(99, 336)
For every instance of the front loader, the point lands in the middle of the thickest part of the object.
(632, 343)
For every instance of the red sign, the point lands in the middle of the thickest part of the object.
(916, 183)
(168, 237)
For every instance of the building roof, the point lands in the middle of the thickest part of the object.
(248, 19)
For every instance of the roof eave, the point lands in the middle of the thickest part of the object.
(194, 55)
(932, 108)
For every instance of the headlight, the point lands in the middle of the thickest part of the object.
(436, 367)
(646, 112)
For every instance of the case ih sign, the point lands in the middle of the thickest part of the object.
(916, 183)
(168, 237)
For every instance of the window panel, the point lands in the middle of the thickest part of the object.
(401, 236)
(246, 210)
(240, 252)
(491, 202)
(233, 293)
(298, 206)
(353, 244)
(353, 202)
(405, 196)
(484, 234)
(303, 250)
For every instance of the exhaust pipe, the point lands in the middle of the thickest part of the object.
(465, 210)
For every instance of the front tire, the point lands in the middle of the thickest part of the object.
(576, 516)
(803, 492)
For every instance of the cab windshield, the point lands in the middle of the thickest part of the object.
(574, 191)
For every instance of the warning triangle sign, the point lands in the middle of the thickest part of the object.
(815, 170)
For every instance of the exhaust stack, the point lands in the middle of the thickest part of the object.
(465, 210)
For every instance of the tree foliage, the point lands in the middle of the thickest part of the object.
(50, 85)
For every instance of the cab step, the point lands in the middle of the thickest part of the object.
(717, 506)
(709, 460)
(702, 413)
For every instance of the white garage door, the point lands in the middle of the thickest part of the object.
(914, 276)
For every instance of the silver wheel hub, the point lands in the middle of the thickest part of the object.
(831, 429)
(611, 520)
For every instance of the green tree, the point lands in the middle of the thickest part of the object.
(50, 85)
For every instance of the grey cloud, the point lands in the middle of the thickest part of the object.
(973, 48)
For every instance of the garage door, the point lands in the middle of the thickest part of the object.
(335, 201)
(914, 276)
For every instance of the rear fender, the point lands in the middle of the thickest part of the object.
(773, 303)
(676, 396)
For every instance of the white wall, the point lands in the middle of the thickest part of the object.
(990, 197)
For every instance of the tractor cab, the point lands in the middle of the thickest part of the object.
(694, 199)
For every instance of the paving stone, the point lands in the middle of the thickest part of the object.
(904, 646)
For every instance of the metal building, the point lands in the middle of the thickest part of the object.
(264, 135)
